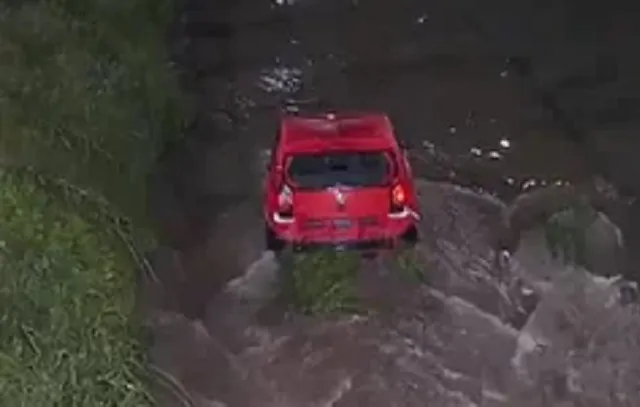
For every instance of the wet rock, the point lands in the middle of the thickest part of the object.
(580, 343)
(259, 283)
(579, 323)
(459, 259)
(605, 248)
(604, 252)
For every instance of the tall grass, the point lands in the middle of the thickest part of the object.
(325, 282)
(65, 301)
(322, 282)
(87, 100)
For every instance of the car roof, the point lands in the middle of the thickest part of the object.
(333, 131)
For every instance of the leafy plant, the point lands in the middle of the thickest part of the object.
(321, 282)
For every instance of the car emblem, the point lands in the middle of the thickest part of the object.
(340, 198)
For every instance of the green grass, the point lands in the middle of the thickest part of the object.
(87, 94)
(87, 100)
(65, 301)
(322, 282)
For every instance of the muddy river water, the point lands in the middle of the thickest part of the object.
(499, 95)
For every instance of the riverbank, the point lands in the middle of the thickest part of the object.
(87, 101)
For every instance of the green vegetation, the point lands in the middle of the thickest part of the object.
(87, 100)
(86, 93)
(321, 282)
(565, 232)
(65, 301)
(324, 282)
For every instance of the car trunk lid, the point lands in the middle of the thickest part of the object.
(344, 211)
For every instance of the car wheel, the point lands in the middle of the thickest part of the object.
(272, 242)
(411, 236)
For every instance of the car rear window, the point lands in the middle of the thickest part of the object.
(355, 169)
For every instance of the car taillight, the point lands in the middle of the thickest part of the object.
(285, 201)
(398, 198)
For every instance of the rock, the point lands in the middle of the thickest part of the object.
(458, 256)
(578, 329)
(604, 252)
(259, 283)
(604, 255)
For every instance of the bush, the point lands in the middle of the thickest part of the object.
(321, 282)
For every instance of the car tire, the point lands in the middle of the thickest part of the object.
(272, 242)
(411, 236)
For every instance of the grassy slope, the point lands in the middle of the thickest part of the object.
(86, 93)
(86, 101)
(65, 301)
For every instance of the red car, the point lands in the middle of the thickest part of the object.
(338, 180)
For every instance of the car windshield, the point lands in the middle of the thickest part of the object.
(351, 169)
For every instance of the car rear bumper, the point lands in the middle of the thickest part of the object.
(384, 232)
(356, 245)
